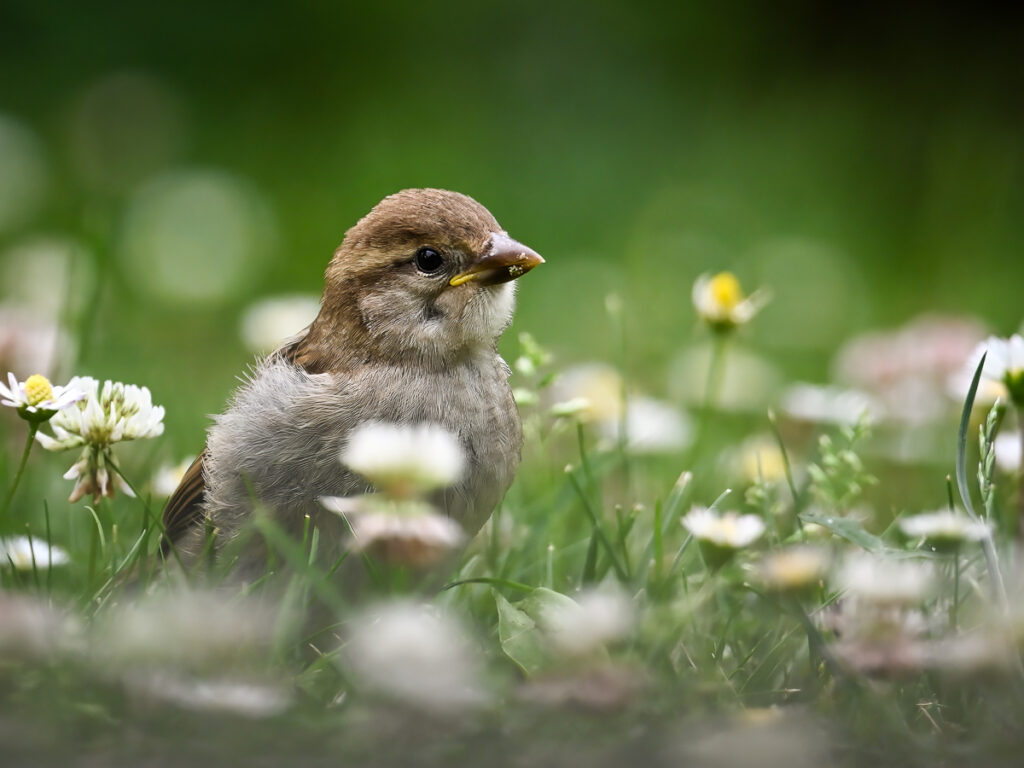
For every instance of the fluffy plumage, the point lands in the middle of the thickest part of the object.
(396, 340)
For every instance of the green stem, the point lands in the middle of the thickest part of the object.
(33, 428)
(711, 387)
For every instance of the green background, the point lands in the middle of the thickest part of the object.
(865, 164)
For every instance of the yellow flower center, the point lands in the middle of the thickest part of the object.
(725, 290)
(38, 389)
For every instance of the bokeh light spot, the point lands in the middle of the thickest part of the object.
(23, 174)
(196, 236)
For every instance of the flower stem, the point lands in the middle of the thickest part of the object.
(712, 386)
(32, 429)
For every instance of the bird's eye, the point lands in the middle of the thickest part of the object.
(428, 260)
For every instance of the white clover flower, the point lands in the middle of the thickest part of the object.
(36, 399)
(404, 461)
(729, 529)
(416, 655)
(269, 322)
(107, 415)
(885, 582)
(405, 532)
(720, 302)
(25, 553)
(589, 621)
(943, 529)
(1004, 364)
(793, 569)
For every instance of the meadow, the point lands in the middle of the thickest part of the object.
(770, 503)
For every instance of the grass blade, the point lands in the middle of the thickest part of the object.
(961, 439)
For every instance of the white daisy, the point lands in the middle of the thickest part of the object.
(405, 532)
(404, 461)
(943, 528)
(729, 530)
(793, 569)
(1004, 364)
(719, 535)
(36, 398)
(22, 552)
(720, 302)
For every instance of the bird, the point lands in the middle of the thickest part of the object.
(415, 299)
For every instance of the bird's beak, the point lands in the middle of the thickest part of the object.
(505, 260)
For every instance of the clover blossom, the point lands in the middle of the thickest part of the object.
(108, 414)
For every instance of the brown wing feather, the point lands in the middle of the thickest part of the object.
(185, 507)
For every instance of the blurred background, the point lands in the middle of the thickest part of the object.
(165, 167)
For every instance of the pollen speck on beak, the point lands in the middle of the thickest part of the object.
(505, 260)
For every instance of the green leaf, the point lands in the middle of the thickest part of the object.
(521, 626)
(520, 638)
(846, 528)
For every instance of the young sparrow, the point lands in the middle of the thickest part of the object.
(414, 301)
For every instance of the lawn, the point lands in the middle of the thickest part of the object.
(770, 503)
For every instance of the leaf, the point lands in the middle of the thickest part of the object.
(520, 638)
(847, 528)
(521, 626)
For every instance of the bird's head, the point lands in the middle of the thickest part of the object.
(427, 274)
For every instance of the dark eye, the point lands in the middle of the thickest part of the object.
(428, 260)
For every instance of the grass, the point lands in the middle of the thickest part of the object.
(696, 652)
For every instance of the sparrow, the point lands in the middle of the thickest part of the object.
(414, 301)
